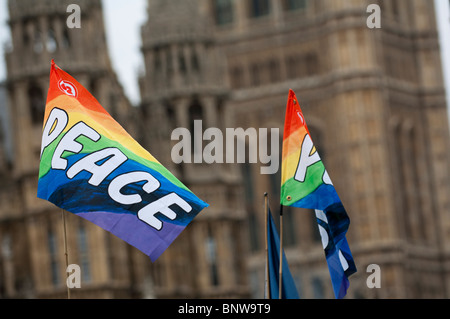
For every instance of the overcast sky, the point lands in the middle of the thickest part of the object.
(123, 21)
(124, 18)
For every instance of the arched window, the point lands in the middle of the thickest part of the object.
(312, 64)
(414, 196)
(38, 45)
(407, 168)
(36, 104)
(223, 11)
(169, 65)
(195, 111)
(293, 66)
(83, 247)
(195, 63)
(295, 4)
(399, 158)
(182, 62)
(157, 60)
(274, 71)
(211, 257)
(395, 9)
(259, 8)
(66, 39)
(255, 74)
(25, 38)
(237, 77)
(195, 114)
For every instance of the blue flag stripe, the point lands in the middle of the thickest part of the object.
(333, 223)
(288, 288)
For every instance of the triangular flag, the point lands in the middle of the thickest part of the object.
(306, 184)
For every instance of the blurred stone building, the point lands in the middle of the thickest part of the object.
(32, 262)
(374, 101)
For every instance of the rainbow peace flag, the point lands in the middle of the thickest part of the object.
(91, 167)
(305, 183)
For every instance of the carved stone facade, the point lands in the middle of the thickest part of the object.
(374, 102)
(31, 233)
(184, 83)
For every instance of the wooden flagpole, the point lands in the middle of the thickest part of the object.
(65, 248)
(281, 254)
(266, 216)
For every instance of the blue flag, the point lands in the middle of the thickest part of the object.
(288, 289)
(333, 223)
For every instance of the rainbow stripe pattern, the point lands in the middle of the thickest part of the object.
(305, 183)
(91, 167)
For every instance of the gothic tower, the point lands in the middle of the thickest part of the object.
(184, 87)
(33, 257)
(375, 105)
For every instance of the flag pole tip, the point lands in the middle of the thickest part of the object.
(54, 66)
(265, 194)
